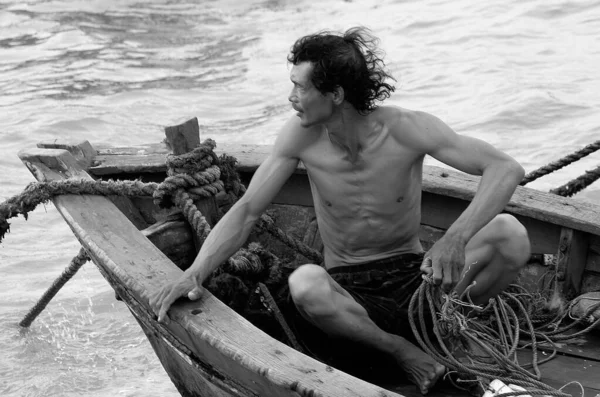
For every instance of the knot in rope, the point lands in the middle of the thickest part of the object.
(191, 176)
(232, 281)
(204, 183)
(198, 159)
(196, 172)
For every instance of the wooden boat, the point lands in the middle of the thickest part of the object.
(210, 350)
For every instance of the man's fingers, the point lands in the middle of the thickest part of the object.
(154, 302)
(456, 274)
(166, 303)
(162, 314)
(447, 280)
(164, 307)
(426, 266)
(438, 273)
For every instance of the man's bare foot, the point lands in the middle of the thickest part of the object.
(421, 369)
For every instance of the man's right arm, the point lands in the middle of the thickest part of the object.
(233, 229)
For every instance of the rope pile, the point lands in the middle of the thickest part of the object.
(479, 344)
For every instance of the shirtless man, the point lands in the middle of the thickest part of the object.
(365, 168)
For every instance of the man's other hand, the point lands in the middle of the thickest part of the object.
(445, 262)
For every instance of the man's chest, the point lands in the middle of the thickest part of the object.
(384, 174)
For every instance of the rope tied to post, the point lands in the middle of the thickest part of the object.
(191, 176)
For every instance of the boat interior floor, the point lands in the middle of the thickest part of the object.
(575, 369)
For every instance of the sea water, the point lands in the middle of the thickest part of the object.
(522, 75)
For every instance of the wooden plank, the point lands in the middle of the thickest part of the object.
(590, 282)
(108, 164)
(183, 138)
(174, 238)
(543, 236)
(138, 150)
(52, 164)
(586, 347)
(215, 334)
(190, 377)
(429, 235)
(83, 151)
(441, 211)
(593, 261)
(564, 369)
(126, 206)
(547, 207)
(571, 260)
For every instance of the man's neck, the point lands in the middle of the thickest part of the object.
(349, 130)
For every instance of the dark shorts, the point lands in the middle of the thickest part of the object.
(384, 288)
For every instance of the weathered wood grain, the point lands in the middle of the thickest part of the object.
(572, 256)
(110, 164)
(83, 151)
(564, 369)
(183, 138)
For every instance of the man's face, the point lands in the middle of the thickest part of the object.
(312, 106)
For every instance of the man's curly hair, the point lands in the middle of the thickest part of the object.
(350, 60)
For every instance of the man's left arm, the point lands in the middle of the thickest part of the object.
(500, 175)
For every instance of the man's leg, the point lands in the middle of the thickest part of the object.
(494, 257)
(323, 302)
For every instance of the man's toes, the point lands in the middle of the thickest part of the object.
(438, 371)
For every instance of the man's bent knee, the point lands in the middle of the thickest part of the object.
(512, 240)
(310, 287)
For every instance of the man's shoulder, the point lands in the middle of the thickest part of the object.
(400, 122)
(293, 138)
(401, 117)
(413, 129)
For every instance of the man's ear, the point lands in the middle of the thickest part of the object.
(338, 95)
